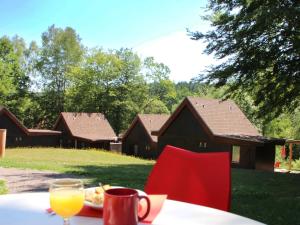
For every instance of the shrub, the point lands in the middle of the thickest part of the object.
(296, 164)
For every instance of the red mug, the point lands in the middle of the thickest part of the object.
(120, 207)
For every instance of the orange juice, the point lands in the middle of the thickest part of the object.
(66, 202)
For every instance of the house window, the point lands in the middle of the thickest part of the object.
(236, 151)
(147, 147)
(202, 144)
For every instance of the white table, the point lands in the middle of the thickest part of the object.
(29, 209)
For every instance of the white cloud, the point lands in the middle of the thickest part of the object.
(182, 55)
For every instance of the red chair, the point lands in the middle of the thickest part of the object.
(197, 178)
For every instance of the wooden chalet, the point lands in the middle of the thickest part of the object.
(84, 130)
(138, 139)
(20, 136)
(205, 125)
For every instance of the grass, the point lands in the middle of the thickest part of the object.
(95, 166)
(271, 198)
(3, 189)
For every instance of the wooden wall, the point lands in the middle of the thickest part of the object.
(247, 157)
(16, 137)
(14, 134)
(42, 141)
(138, 137)
(186, 132)
(265, 157)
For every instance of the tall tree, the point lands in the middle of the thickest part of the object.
(92, 83)
(153, 71)
(111, 83)
(60, 51)
(130, 90)
(161, 88)
(8, 67)
(155, 106)
(31, 56)
(14, 81)
(164, 90)
(258, 44)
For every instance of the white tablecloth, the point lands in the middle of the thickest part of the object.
(29, 209)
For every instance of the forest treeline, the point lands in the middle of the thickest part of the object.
(61, 74)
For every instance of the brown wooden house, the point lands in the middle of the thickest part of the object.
(84, 130)
(204, 125)
(20, 136)
(138, 139)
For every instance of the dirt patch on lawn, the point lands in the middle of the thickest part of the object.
(25, 180)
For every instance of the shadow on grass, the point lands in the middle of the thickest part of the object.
(129, 175)
(272, 198)
(34, 182)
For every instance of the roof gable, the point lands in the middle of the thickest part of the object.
(223, 117)
(153, 122)
(89, 126)
(13, 118)
(217, 117)
(150, 122)
(29, 132)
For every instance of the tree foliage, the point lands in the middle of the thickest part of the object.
(14, 85)
(8, 68)
(161, 89)
(39, 82)
(60, 51)
(258, 45)
(154, 71)
(110, 83)
(155, 106)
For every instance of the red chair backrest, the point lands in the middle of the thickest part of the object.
(197, 178)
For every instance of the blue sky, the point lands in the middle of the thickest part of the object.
(150, 27)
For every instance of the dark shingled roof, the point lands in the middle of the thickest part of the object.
(88, 126)
(14, 119)
(256, 139)
(43, 131)
(29, 132)
(223, 117)
(151, 122)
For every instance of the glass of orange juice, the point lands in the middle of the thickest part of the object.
(66, 197)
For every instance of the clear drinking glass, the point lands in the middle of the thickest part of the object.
(66, 197)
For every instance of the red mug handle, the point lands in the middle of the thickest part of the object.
(148, 207)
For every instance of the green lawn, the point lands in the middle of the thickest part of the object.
(271, 198)
(95, 166)
(3, 189)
